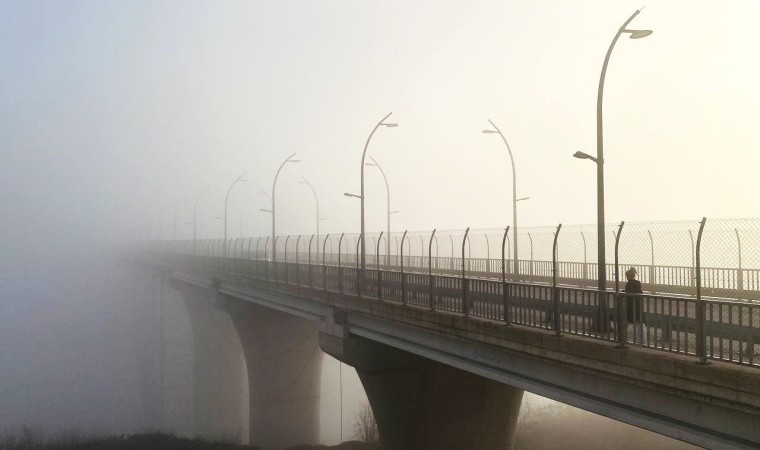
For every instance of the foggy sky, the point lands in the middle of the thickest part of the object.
(111, 112)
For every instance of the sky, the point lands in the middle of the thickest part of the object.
(114, 115)
(115, 112)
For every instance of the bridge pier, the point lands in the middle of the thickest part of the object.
(284, 373)
(219, 376)
(422, 404)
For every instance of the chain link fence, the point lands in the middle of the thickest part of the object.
(662, 254)
(699, 279)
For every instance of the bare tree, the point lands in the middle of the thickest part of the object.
(365, 427)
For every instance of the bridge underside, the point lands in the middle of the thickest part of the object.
(284, 373)
(422, 404)
(219, 374)
(280, 365)
(714, 406)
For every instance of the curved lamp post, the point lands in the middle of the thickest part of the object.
(496, 130)
(195, 217)
(387, 204)
(226, 202)
(599, 159)
(274, 211)
(361, 194)
(316, 200)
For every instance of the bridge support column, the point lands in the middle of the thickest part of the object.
(219, 376)
(284, 372)
(421, 404)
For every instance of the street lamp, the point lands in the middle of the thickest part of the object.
(387, 204)
(174, 222)
(174, 225)
(195, 218)
(583, 155)
(316, 200)
(226, 201)
(599, 159)
(496, 130)
(273, 211)
(361, 195)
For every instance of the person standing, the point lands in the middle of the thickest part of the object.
(635, 306)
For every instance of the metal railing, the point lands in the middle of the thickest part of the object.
(722, 330)
(664, 255)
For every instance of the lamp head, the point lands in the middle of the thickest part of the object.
(390, 125)
(370, 164)
(582, 155)
(490, 132)
(638, 34)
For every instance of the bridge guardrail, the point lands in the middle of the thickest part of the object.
(730, 329)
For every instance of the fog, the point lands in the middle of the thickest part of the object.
(115, 116)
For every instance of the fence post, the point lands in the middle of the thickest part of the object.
(324, 268)
(652, 278)
(311, 285)
(266, 260)
(504, 287)
(555, 292)
(340, 269)
(395, 239)
(258, 261)
(620, 302)
(701, 313)
(431, 298)
(274, 259)
(740, 271)
(488, 254)
(403, 285)
(465, 304)
(298, 269)
(530, 239)
(422, 251)
(358, 269)
(379, 272)
(233, 264)
(248, 269)
(692, 277)
(240, 258)
(285, 258)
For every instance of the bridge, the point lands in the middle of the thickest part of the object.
(445, 345)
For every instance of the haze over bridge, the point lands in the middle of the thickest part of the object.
(428, 339)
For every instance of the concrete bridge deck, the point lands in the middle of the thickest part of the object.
(554, 348)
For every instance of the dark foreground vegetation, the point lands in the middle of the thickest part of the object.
(149, 441)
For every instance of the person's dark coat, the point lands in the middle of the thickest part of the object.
(634, 305)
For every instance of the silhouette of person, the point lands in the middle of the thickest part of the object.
(634, 305)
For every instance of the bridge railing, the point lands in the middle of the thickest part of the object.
(663, 253)
(717, 281)
(723, 330)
